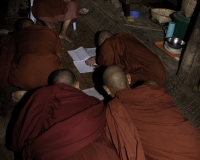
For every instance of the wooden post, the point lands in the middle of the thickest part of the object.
(189, 71)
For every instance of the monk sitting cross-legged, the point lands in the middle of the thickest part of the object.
(165, 134)
(53, 11)
(28, 56)
(127, 52)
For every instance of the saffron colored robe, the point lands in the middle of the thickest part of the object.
(30, 58)
(123, 134)
(54, 11)
(127, 52)
(165, 134)
(61, 122)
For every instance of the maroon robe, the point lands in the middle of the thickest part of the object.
(123, 134)
(62, 122)
(165, 134)
(127, 52)
(54, 11)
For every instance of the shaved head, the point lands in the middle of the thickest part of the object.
(25, 22)
(62, 76)
(115, 78)
(103, 36)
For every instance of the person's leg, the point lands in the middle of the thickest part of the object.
(17, 96)
(69, 15)
(63, 33)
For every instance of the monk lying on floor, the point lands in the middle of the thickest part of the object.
(53, 11)
(127, 52)
(28, 56)
(165, 134)
(60, 122)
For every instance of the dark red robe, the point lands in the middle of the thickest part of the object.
(165, 134)
(62, 122)
(54, 11)
(31, 55)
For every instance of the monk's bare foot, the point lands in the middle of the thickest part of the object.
(50, 25)
(17, 96)
(151, 82)
(65, 37)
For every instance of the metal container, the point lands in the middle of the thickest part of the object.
(175, 43)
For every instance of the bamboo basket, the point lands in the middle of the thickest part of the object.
(162, 15)
(187, 7)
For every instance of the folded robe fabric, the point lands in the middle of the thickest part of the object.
(122, 132)
(31, 57)
(165, 134)
(127, 52)
(56, 122)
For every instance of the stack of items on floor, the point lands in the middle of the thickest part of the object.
(176, 30)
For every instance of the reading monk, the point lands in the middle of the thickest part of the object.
(53, 11)
(127, 52)
(33, 53)
(62, 122)
(165, 134)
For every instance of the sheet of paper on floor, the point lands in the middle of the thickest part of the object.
(93, 92)
(80, 55)
(82, 67)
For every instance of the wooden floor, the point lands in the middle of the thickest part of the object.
(83, 36)
(103, 16)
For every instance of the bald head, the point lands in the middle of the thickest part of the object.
(103, 36)
(62, 76)
(115, 78)
(25, 22)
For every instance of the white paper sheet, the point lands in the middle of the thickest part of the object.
(93, 92)
(79, 56)
(91, 51)
(82, 67)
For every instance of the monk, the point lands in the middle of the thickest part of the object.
(62, 122)
(28, 56)
(127, 52)
(165, 134)
(53, 11)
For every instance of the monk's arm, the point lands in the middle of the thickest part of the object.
(106, 55)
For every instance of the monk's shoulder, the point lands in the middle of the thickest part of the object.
(125, 35)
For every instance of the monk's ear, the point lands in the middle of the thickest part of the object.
(128, 76)
(107, 89)
(77, 85)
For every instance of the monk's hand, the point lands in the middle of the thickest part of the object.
(66, 0)
(91, 61)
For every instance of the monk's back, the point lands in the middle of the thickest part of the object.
(164, 132)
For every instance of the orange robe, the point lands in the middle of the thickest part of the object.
(127, 52)
(54, 11)
(62, 122)
(165, 134)
(123, 134)
(34, 51)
